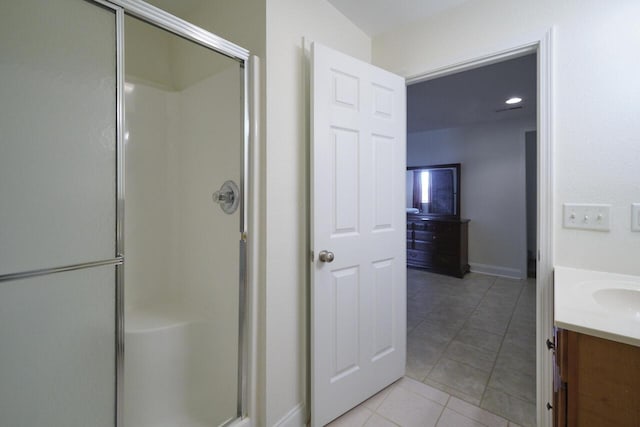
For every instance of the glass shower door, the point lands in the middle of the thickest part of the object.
(58, 261)
(183, 140)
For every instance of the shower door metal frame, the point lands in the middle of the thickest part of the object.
(164, 20)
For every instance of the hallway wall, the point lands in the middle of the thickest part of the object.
(492, 187)
(597, 146)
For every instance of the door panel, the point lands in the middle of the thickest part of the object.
(345, 321)
(58, 208)
(345, 169)
(57, 358)
(358, 304)
(58, 139)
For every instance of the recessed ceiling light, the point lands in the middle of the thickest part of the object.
(514, 100)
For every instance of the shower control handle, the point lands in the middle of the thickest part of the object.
(228, 197)
(326, 256)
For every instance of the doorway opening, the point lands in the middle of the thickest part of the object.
(474, 336)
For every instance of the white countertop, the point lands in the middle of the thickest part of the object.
(606, 305)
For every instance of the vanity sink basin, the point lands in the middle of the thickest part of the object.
(602, 304)
(625, 300)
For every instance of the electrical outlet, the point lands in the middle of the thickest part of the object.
(587, 216)
(635, 217)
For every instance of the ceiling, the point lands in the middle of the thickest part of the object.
(473, 96)
(378, 16)
(456, 100)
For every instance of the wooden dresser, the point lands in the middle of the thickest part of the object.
(438, 244)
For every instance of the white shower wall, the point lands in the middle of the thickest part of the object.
(180, 147)
(181, 250)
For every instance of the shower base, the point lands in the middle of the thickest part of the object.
(170, 371)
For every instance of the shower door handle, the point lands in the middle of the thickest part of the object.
(326, 256)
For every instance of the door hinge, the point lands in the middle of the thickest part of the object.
(550, 345)
(538, 254)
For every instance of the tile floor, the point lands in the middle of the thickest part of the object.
(410, 403)
(470, 356)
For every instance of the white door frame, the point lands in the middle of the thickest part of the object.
(541, 44)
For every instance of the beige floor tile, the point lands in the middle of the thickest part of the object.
(470, 355)
(470, 380)
(453, 392)
(510, 407)
(374, 401)
(478, 324)
(378, 421)
(354, 418)
(475, 413)
(409, 409)
(515, 383)
(479, 338)
(450, 418)
(424, 390)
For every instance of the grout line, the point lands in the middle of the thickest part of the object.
(369, 417)
(493, 280)
(482, 409)
(440, 416)
(458, 333)
(382, 416)
(452, 395)
(504, 336)
(478, 421)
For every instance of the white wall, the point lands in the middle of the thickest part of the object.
(597, 144)
(492, 187)
(288, 21)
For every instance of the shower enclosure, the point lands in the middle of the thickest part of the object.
(123, 165)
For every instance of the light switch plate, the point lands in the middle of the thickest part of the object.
(635, 217)
(587, 216)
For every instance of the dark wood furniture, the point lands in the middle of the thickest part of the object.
(596, 382)
(438, 244)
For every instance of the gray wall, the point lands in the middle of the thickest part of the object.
(531, 153)
(492, 189)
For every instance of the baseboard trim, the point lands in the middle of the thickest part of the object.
(496, 270)
(294, 418)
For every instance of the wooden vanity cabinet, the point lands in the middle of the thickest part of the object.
(438, 244)
(596, 382)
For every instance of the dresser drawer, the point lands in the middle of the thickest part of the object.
(425, 236)
(419, 258)
(423, 245)
(424, 226)
(438, 245)
(437, 241)
(436, 226)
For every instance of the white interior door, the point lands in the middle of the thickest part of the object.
(358, 300)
